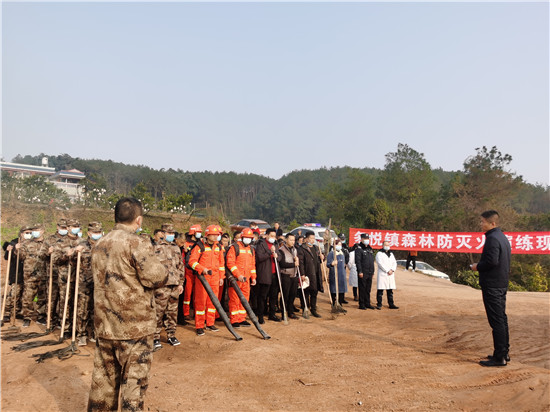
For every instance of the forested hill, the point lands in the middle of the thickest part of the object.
(407, 194)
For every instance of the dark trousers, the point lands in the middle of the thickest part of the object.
(288, 294)
(311, 299)
(409, 260)
(494, 300)
(365, 285)
(389, 295)
(274, 295)
(262, 291)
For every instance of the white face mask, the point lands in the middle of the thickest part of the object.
(366, 242)
(338, 248)
(247, 241)
(271, 240)
(219, 238)
(63, 232)
(27, 236)
(198, 235)
(386, 248)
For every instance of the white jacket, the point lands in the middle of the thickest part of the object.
(385, 264)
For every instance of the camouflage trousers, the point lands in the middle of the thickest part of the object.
(121, 367)
(9, 299)
(30, 291)
(166, 304)
(84, 311)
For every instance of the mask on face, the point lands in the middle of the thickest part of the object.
(338, 248)
(27, 236)
(386, 248)
(366, 242)
(63, 232)
(198, 235)
(79, 234)
(271, 240)
(219, 238)
(138, 230)
(96, 236)
(169, 238)
(36, 233)
(75, 230)
(247, 241)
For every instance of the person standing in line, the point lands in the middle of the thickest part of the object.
(387, 266)
(364, 259)
(266, 253)
(126, 272)
(310, 265)
(288, 266)
(195, 232)
(494, 273)
(353, 280)
(336, 262)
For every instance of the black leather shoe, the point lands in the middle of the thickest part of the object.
(394, 307)
(245, 324)
(293, 316)
(345, 302)
(261, 321)
(274, 318)
(315, 314)
(506, 358)
(236, 325)
(362, 308)
(370, 307)
(493, 362)
(296, 310)
(379, 307)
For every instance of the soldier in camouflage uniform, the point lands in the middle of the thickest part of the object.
(34, 271)
(25, 233)
(62, 256)
(48, 247)
(84, 311)
(126, 271)
(166, 298)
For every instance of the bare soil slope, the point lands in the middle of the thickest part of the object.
(423, 356)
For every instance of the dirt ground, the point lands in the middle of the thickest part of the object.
(421, 357)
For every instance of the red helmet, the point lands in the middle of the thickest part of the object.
(247, 232)
(194, 229)
(213, 230)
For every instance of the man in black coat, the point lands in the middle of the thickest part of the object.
(266, 276)
(310, 266)
(364, 260)
(494, 272)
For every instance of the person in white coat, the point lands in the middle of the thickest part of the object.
(353, 282)
(386, 275)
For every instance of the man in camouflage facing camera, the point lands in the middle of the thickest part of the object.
(125, 272)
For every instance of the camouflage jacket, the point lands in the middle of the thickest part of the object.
(170, 256)
(85, 260)
(34, 265)
(126, 272)
(60, 258)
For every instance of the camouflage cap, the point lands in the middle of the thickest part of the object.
(95, 227)
(38, 226)
(62, 222)
(25, 228)
(73, 222)
(167, 227)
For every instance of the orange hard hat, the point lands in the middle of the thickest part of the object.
(247, 232)
(194, 229)
(213, 230)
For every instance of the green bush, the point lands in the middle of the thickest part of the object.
(468, 277)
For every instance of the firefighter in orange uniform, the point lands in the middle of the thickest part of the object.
(196, 232)
(241, 261)
(209, 261)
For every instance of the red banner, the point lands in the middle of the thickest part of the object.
(537, 243)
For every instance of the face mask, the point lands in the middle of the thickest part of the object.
(96, 236)
(169, 238)
(79, 234)
(219, 238)
(366, 242)
(271, 240)
(27, 236)
(198, 235)
(386, 248)
(247, 241)
(36, 233)
(338, 248)
(75, 230)
(63, 232)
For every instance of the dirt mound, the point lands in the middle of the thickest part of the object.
(423, 356)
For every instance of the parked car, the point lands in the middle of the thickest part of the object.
(315, 228)
(239, 226)
(426, 269)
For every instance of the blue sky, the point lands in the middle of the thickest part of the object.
(268, 88)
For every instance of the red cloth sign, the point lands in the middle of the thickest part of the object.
(537, 243)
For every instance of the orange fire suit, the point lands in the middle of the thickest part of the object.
(242, 265)
(189, 280)
(211, 259)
